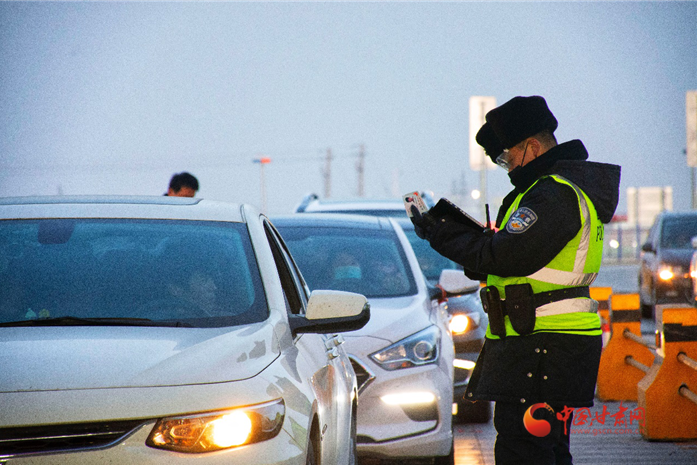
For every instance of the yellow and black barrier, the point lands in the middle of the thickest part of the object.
(627, 357)
(667, 393)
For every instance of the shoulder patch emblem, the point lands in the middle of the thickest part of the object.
(521, 220)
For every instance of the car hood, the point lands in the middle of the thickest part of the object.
(97, 357)
(395, 318)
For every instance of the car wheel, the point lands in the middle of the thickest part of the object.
(474, 412)
(449, 459)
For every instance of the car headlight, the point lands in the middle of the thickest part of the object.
(419, 349)
(211, 431)
(667, 273)
(462, 322)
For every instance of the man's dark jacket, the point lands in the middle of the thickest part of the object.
(556, 368)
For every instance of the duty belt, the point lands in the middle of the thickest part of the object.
(543, 298)
(522, 304)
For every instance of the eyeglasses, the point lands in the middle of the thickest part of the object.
(504, 159)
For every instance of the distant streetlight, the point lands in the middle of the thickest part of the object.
(262, 161)
(475, 194)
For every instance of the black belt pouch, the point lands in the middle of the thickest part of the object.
(521, 307)
(492, 305)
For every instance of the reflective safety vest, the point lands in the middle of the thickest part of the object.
(577, 264)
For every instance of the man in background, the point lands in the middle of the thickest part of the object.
(183, 185)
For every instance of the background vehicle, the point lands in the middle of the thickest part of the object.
(403, 357)
(468, 319)
(166, 330)
(664, 275)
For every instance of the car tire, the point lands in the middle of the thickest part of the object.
(449, 459)
(474, 412)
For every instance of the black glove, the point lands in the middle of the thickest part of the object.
(423, 223)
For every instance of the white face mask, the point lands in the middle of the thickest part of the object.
(347, 272)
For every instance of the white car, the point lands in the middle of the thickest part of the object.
(143, 330)
(403, 357)
(468, 320)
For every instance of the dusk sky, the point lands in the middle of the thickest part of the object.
(113, 98)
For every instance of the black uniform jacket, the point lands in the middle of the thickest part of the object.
(557, 368)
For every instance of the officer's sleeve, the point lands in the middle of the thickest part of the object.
(547, 219)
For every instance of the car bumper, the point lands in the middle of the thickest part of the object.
(679, 290)
(402, 430)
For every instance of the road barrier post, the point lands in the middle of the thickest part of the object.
(618, 373)
(667, 393)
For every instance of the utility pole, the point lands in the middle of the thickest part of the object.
(262, 161)
(327, 173)
(360, 169)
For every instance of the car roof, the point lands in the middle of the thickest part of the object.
(333, 220)
(153, 207)
(313, 203)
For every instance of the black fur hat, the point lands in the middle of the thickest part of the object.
(489, 141)
(520, 118)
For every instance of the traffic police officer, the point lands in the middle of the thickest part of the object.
(543, 341)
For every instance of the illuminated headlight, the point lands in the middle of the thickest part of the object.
(213, 431)
(666, 274)
(461, 322)
(419, 349)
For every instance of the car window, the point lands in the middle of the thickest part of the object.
(201, 274)
(291, 283)
(677, 233)
(367, 262)
(430, 261)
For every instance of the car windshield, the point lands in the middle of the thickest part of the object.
(430, 261)
(128, 272)
(371, 263)
(677, 233)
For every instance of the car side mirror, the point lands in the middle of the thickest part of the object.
(647, 247)
(331, 312)
(454, 282)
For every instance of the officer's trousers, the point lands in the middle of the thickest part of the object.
(516, 445)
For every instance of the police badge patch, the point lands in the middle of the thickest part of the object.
(521, 220)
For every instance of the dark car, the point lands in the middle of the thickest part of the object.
(665, 259)
(468, 319)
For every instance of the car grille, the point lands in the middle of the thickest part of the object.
(30, 440)
(363, 376)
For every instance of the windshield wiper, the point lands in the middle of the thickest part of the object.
(75, 321)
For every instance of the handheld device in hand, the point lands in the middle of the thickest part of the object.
(445, 207)
(413, 198)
